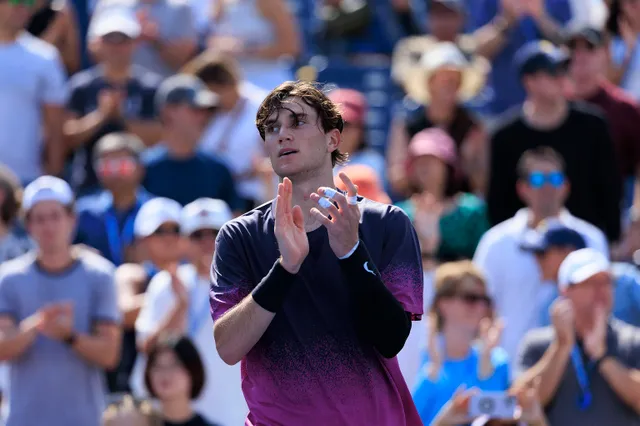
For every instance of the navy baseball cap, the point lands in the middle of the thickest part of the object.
(185, 89)
(555, 235)
(539, 56)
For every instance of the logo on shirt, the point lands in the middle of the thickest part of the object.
(366, 268)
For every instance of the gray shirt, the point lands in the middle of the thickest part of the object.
(50, 384)
(608, 409)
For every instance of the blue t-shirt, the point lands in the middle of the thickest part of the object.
(104, 228)
(187, 179)
(430, 396)
(310, 361)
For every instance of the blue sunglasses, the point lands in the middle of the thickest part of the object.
(538, 179)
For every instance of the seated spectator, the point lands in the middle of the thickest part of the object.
(512, 274)
(624, 26)
(157, 232)
(367, 181)
(167, 32)
(262, 34)
(444, 81)
(449, 223)
(54, 21)
(177, 169)
(588, 362)
(177, 302)
(105, 220)
(59, 323)
(175, 376)
(353, 108)
(547, 119)
(503, 27)
(231, 133)
(33, 94)
(14, 241)
(128, 413)
(463, 338)
(113, 96)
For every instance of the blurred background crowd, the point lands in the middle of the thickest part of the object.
(506, 129)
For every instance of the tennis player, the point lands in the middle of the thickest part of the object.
(315, 291)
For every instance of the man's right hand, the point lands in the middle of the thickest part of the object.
(289, 229)
(109, 102)
(562, 318)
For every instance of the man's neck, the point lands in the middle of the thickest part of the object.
(587, 88)
(303, 186)
(177, 411)
(124, 199)
(56, 261)
(456, 343)
(440, 113)
(545, 115)
(536, 218)
(8, 36)
(179, 145)
(117, 75)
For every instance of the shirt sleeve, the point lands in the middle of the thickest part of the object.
(501, 185)
(148, 109)
(77, 100)
(8, 305)
(401, 262)
(230, 282)
(106, 306)
(55, 89)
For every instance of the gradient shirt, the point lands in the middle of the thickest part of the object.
(310, 367)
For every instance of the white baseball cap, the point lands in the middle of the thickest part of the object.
(47, 188)
(204, 213)
(154, 213)
(581, 265)
(116, 20)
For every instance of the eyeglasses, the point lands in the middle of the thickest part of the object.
(202, 234)
(473, 298)
(162, 231)
(116, 167)
(538, 179)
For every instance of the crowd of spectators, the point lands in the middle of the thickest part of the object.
(505, 130)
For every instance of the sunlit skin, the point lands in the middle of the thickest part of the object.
(114, 49)
(165, 245)
(201, 247)
(169, 379)
(51, 225)
(546, 201)
(444, 85)
(464, 315)
(586, 296)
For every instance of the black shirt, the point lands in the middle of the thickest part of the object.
(196, 420)
(584, 142)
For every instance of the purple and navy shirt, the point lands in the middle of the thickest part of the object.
(310, 367)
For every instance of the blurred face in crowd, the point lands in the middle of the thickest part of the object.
(228, 94)
(545, 188)
(352, 137)
(164, 245)
(444, 85)
(114, 49)
(545, 86)
(186, 120)
(169, 378)
(119, 170)
(587, 61)
(429, 173)
(295, 141)
(51, 225)
(595, 291)
(466, 307)
(202, 245)
(15, 14)
(550, 261)
(444, 23)
(631, 9)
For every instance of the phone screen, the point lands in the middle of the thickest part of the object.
(495, 405)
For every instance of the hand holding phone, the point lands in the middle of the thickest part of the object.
(495, 405)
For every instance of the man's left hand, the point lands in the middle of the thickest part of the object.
(342, 221)
(57, 321)
(595, 343)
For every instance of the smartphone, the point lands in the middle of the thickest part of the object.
(495, 405)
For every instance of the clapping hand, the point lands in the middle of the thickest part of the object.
(149, 28)
(490, 333)
(289, 229)
(57, 321)
(342, 222)
(562, 318)
(177, 286)
(595, 342)
(530, 408)
(456, 411)
(512, 10)
(535, 8)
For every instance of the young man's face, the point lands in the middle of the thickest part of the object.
(295, 140)
(118, 169)
(51, 225)
(545, 189)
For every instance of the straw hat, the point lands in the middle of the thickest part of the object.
(446, 55)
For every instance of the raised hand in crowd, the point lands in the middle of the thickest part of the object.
(56, 321)
(530, 410)
(595, 342)
(110, 103)
(149, 28)
(512, 10)
(490, 335)
(534, 8)
(562, 318)
(289, 229)
(456, 411)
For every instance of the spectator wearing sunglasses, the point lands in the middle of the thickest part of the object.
(588, 47)
(157, 232)
(463, 340)
(547, 118)
(177, 303)
(105, 219)
(513, 277)
(113, 96)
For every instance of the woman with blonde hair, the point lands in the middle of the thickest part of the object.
(463, 340)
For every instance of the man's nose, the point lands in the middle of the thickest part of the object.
(284, 135)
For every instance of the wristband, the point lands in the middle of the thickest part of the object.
(272, 291)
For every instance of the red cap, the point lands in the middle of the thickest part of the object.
(351, 103)
(436, 142)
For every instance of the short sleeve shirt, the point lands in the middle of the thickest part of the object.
(309, 367)
(49, 375)
(85, 88)
(623, 341)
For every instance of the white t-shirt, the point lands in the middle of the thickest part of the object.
(221, 401)
(31, 76)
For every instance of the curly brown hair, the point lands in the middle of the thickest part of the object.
(311, 94)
